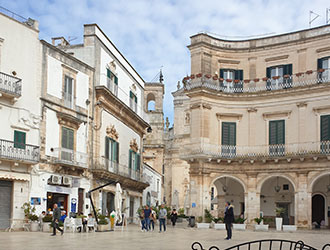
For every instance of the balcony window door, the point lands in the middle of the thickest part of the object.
(276, 77)
(112, 154)
(112, 82)
(325, 133)
(68, 91)
(324, 63)
(132, 101)
(277, 138)
(228, 139)
(229, 76)
(19, 139)
(67, 144)
(134, 162)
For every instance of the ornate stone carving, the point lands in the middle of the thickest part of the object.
(112, 132)
(133, 145)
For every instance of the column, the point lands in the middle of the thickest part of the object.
(252, 200)
(303, 203)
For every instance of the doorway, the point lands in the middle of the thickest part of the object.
(318, 204)
(5, 204)
(285, 215)
(80, 200)
(60, 199)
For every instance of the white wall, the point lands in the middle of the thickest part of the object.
(81, 145)
(151, 177)
(52, 131)
(54, 77)
(82, 89)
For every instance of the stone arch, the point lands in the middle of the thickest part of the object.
(233, 177)
(314, 178)
(267, 177)
(151, 99)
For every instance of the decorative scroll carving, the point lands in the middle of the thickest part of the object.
(133, 145)
(112, 132)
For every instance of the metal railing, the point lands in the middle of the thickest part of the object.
(276, 150)
(112, 86)
(68, 99)
(268, 244)
(70, 157)
(13, 15)
(19, 151)
(10, 84)
(117, 168)
(256, 85)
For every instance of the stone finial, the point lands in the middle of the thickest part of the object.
(178, 85)
(167, 123)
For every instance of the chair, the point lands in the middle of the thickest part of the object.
(68, 223)
(78, 224)
(90, 224)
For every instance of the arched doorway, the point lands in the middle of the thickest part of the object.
(318, 205)
(227, 189)
(278, 192)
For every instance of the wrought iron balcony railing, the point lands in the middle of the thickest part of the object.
(68, 100)
(114, 167)
(69, 157)
(18, 151)
(10, 85)
(262, 151)
(256, 85)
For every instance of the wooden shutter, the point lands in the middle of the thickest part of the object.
(276, 132)
(137, 162)
(272, 133)
(19, 139)
(116, 80)
(238, 74)
(131, 94)
(64, 137)
(320, 63)
(108, 73)
(287, 69)
(71, 139)
(268, 72)
(117, 152)
(130, 158)
(228, 136)
(280, 132)
(135, 98)
(221, 73)
(106, 148)
(232, 133)
(325, 128)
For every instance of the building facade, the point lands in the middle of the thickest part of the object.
(20, 78)
(251, 126)
(152, 195)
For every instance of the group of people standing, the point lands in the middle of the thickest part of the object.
(148, 218)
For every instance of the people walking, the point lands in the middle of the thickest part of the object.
(229, 219)
(152, 219)
(56, 220)
(162, 218)
(174, 217)
(143, 224)
(147, 215)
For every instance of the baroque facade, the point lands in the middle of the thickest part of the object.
(251, 126)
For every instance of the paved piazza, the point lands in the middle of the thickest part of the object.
(133, 238)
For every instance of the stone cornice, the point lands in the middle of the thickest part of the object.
(228, 61)
(276, 58)
(322, 109)
(278, 114)
(224, 116)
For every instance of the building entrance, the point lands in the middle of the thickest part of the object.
(60, 199)
(318, 204)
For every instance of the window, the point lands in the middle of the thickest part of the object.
(276, 137)
(19, 139)
(229, 76)
(157, 185)
(68, 91)
(132, 101)
(279, 77)
(134, 164)
(112, 82)
(324, 63)
(111, 150)
(325, 134)
(212, 197)
(285, 186)
(67, 144)
(228, 139)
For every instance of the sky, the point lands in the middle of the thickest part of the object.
(154, 34)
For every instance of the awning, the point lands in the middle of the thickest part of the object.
(14, 176)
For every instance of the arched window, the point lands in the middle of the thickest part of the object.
(151, 106)
(151, 102)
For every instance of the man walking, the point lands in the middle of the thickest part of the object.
(162, 218)
(229, 219)
(147, 214)
(56, 219)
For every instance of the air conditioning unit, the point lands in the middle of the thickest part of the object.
(67, 181)
(56, 179)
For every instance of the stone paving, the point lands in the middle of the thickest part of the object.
(133, 238)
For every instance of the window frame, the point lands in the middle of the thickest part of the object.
(19, 144)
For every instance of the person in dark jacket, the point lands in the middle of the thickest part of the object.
(56, 219)
(174, 216)
(229, 219)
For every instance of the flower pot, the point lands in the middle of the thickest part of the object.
(239, 226)
(289, 228)
(46, 227)
(220, 226)
(34, 225)
(265, 79)
(203, 225)
(261, 227)
(103, 227)
(279, 222)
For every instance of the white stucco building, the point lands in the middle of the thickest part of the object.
(152, 195)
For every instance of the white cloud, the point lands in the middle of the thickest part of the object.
(153, 33)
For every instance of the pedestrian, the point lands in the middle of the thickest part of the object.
(152, 219)
(40, 219)
(56, 219)
(143, 224)
(162, 218)
(229, 219)
(147, 215)
(174, 216)
(63, 216)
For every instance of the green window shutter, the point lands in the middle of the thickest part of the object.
(287, 69)
(64, 137)
(108, 73)
(19, 139)
(131, 94)
(276, 132)
(71, 139)
(137, 162)
(135, 99)
(280, 132)
(238, 74)
(117, 152)
(116, 80)
(272, 132)
(228, 135)
(130, 158)
(319, 63)
(107, 146)
(268, 72)
(221, 73)
(325, 128)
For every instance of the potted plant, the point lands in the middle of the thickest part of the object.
(260, 226)
(28, 210)
(207, 220)
(103, 223)
(47, 220)
(279, 211)
(218, 223)
(34, 222)
(239, 224)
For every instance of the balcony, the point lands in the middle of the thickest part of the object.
(18, 152)
(307, 78)
(67, 98)
(210, 151)
(69, 157)
(116, 168)
(10, 86)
